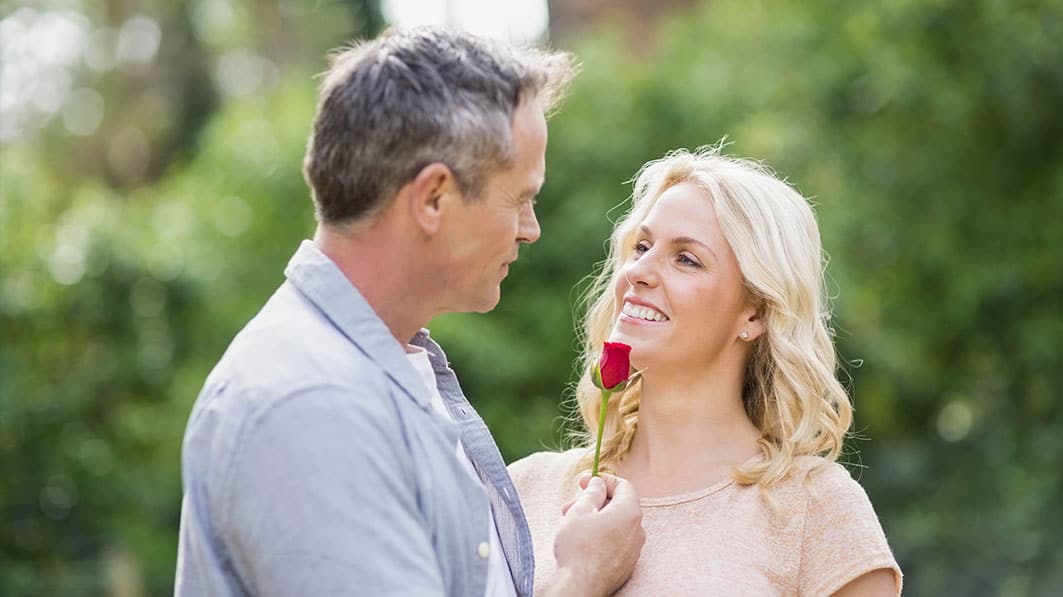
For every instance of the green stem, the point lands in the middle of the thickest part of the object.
(601, 427)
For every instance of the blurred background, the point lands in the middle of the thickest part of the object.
(151, 194)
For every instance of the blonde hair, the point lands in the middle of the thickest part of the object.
(790, 393)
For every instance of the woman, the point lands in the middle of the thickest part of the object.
(715, 279)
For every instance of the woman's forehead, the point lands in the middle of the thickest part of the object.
(682, 210)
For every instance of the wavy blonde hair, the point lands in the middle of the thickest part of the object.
(790, 393)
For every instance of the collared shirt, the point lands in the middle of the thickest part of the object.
(313, 463)
(499, 579)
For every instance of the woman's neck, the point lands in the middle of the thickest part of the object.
(692, 431)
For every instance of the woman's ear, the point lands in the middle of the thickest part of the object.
(751, 325)
(429, 195)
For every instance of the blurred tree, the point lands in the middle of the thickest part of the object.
(150, 76)
(114, 302)
(368, 16)
(927, 134)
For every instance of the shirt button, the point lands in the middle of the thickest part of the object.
(484, 550)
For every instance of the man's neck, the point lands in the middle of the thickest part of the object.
(383, 271)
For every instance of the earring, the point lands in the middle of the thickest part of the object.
(744, 335)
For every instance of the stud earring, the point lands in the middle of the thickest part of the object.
(744, 335)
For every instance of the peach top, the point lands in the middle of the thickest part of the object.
(726, 539)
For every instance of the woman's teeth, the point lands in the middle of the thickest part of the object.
(644, 313)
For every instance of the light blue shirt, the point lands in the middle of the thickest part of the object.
(313, 463)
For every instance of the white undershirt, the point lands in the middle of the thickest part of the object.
(499, 578)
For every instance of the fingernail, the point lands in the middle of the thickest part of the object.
(596, 481)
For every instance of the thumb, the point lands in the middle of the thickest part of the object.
(623, 492)
(566, 506)
(591, 499)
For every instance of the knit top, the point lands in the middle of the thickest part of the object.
(815, 533)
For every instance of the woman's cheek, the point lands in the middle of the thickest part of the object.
(620, 286)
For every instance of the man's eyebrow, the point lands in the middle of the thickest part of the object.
(529, 192)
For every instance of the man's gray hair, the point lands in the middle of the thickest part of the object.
(391, 106)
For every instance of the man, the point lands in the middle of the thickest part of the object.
(331, 451)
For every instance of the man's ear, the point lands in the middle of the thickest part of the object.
(429, 195)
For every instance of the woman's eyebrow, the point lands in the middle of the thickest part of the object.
(686, 240)
(680, 240)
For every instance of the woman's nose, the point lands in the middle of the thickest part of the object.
(642, 271)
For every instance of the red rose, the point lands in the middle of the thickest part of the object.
(611, 374)
(614, 364)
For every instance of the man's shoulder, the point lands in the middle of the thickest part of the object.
(290, 352)
(274, 385)
(290, 343)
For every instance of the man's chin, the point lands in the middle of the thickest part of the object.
(490, 304)
(486, 302)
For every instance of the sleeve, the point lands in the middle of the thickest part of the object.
(843, 539)
(319, 502)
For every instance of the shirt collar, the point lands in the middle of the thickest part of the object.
(324, 285)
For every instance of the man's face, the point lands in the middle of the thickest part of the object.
(483, 234)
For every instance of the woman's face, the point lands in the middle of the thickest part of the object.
(680, 299)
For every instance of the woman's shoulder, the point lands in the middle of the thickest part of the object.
(544, 469)
(833, 501)
(822, 479)
(842, 537)
(819, 486)
(546, 462)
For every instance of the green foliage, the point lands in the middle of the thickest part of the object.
(119, 306)
(927, 134)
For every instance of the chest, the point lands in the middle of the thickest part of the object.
(727, 543)
(452, 503)
(720, 545)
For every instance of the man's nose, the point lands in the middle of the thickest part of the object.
(528, 230)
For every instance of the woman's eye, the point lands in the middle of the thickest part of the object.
(685, 260)
(641, 247)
